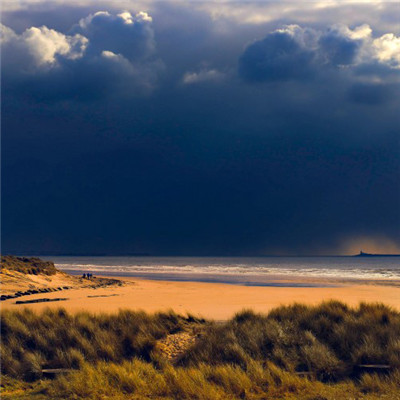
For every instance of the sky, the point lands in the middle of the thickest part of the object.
(200, 128)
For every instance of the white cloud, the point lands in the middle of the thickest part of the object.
(125, 33)
(124, 17)
(109, 54)
(6, 34)
(363, 31)
(85, 22)
(262, 12)
(384, 49)
(44, 45)
(297, 53)
(387, 49)
(105, 53)
(143, 16)
(203, 76)
(306, 37)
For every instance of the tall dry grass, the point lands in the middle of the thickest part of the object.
(294, 352)
(330, 340)
(140, 380)
(27, 265)
(56, 339)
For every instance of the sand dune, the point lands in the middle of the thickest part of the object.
(16, 284)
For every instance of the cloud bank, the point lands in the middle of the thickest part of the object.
(297, 53)
(102, 54)
(200, 128)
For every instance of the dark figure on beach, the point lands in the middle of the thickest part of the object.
(84, 276)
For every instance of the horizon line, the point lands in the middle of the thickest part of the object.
(37, 254)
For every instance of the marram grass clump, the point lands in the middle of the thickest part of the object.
(31, 342)
(294, 352)
(28, 265)
(141, 380)
(330, 341)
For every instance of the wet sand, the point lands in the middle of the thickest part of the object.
(217, 301)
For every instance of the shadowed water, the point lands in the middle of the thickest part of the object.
(252, 271)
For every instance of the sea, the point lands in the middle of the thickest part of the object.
(252, 271)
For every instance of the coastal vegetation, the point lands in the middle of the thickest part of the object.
(28, 265)
(56, 339)
(330, 340)
(329, 351)
(27, 276)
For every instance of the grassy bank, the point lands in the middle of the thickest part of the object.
(295, 352)
(56, 339)
(28, 265)
(330, 340)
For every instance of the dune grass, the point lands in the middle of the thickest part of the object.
(141, 380)
(330, 340)
(207, 382)
(294, 352)
(28, 265)
(55, 339)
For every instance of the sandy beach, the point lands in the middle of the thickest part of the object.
(159, 354)
(210, 300)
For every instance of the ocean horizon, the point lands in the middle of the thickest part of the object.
(249, 270)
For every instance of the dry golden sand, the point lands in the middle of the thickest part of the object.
(172, 346)
(210, 300)
(13, 281)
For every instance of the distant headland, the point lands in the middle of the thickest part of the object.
(362, 254)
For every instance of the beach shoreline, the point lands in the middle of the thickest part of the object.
(217, 301)
(266, 279)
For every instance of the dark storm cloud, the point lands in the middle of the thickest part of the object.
(297, 53)
(103, 54)
(123, 138)
(338, 48)
(124, 33)
(277, 57)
